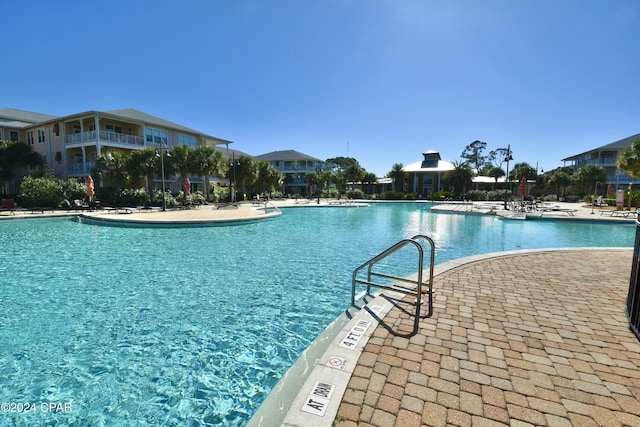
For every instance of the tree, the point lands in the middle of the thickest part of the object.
(560, 179)
(589, 175)
(207, 162)
(370, 179)
(342, 162)
(459, 178)
(144, 164)
(245, 171)
(311, 179)
(629, 160)
(15, 156)
(521, 170)
(496, 173)
(112, 167)
(181, 159)
(354, 174)
(397, 174)
(473, 156)
(268, 178)
(499, 156)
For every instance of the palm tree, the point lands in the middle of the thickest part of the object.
(560, 179)
(112, 167)
(459, 178)
(245, 171)
(180, 156)
(629, 160)
(354, 173)
(521, 170)
(143, 164)
(591, 174)
(207, 162)
(268, 178)
(496, 173)
(370, 179)
(397, 174)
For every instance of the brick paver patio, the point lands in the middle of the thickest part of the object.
(530, 339)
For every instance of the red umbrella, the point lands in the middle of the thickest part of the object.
(90, 187)
(522, 190)
(610, 190)
(187, 187)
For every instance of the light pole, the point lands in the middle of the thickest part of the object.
(593, 199)
(318, 170)
(164, 198)
(232, 195)
(506, 190)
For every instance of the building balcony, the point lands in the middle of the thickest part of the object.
(105, 137)
(80, 168)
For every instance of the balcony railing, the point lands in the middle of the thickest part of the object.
(80, 167)
(105, 136)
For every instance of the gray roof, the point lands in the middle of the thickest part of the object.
(133, 114)
(442, 166)
(286, 155)
(229, 153)
(614, 146)
(21, 118)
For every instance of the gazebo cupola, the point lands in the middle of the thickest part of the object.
(431, 159)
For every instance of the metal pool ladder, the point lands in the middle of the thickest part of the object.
(404, 285)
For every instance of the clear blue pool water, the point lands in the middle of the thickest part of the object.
(195, 326)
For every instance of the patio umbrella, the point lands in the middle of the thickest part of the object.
(187, 187)
(609, 190)
(522, 190)
(90, 187)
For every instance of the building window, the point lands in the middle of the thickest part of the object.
(13, 135)
(30, 137)
(156, 136)
(41, 136)
(187, 140)
(112, 128)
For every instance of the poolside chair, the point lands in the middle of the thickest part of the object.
(8, 205)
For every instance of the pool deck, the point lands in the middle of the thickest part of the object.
(531, 338)
(525, 338)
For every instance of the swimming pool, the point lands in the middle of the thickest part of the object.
(195, 326)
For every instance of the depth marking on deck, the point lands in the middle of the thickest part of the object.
(318, 400)
(355, 334)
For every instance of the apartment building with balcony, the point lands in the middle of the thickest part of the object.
(607, 157)
(294, 165)
(70, 144)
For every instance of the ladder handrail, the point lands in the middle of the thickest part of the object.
(394, 286)
(396, 247)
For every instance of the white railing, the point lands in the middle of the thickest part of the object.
(104, 135)
(81, 167)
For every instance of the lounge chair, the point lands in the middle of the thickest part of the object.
(8, 205)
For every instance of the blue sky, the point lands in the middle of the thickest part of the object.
(378, 80)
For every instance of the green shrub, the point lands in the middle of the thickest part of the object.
(392, 195)
(168, 197)
(43, 192)
(477, 195)
(74, 189)
(134, 197)
(441, 195)
(495, 195)
(355, 193)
